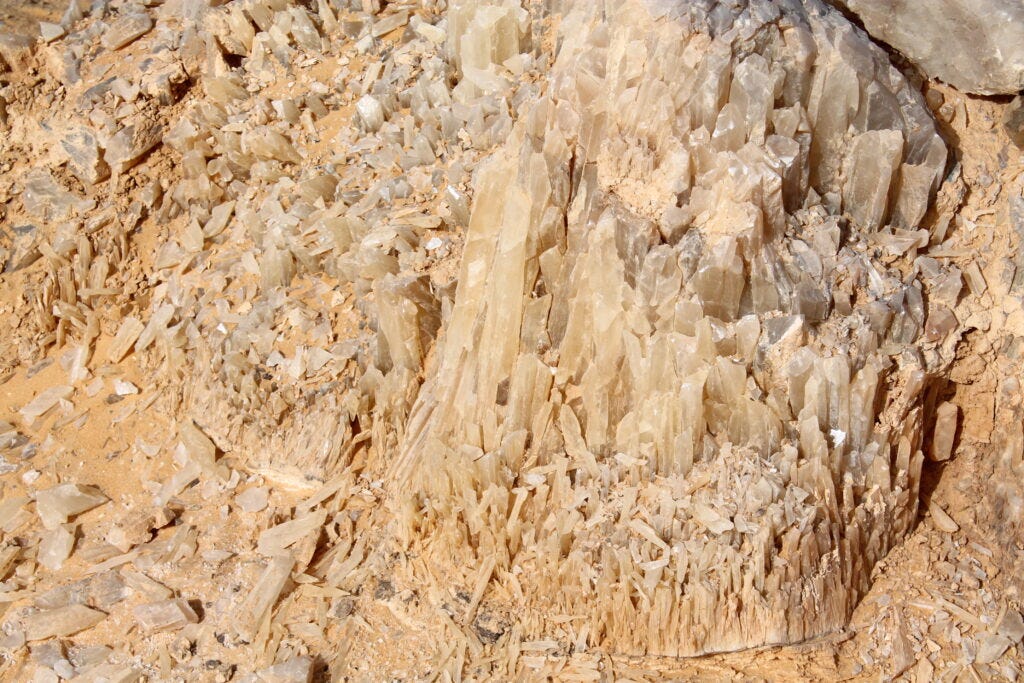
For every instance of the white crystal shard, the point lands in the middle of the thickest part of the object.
(55, 506)
(946, 419)
(45, 401)
(60, 622)
(56, 547)
(166, 615)
(276, 539)
(126, 336)
(125, 29)
(371, 113)
(264, 594)
(255, 499)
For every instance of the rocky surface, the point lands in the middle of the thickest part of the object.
(974, 45)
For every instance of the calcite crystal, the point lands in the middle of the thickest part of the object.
(676, 390)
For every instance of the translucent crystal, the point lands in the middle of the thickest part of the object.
(125, 29)
(55, 506)
(166, 615)
(60, 622)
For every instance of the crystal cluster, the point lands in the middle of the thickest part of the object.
(678, 397)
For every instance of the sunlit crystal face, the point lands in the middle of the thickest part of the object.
(677, 385)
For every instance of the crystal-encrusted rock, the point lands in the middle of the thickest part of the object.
(647, 399)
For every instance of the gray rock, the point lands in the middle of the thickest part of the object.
(974, 45)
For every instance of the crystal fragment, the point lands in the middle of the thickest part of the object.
(15, 51)
(56, 547)
(55, 506)
(943, 439)
(255, 499)
(60, 622)
(264, 594)
(84, 156)
(167, 615)
(371, 113)
(45, 401)
(125, 29)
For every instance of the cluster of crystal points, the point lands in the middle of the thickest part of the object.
(677, 397)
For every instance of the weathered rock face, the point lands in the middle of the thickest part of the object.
(974, 45)
(678, 389)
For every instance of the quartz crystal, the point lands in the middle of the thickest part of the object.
(647, 398)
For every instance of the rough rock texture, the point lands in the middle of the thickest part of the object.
(974, 45)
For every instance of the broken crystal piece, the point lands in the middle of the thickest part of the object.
(15, 51)
(56, 547)
(264, 595)
(130, 143)
(167, 615)
(255, 499)
(946, 419)
(55, 506)
(84, 158)
(44, 402)
(371, 113)
(60, 622)
(126, 29)
(294, 670)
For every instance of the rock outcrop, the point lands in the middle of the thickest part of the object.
(974, 45)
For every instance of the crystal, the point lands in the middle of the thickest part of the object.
(255, 499)
(125, 29)
(84, 157)
(15, 51)
(45, 401)
(647, 319)
(60, 622)
(263, 595)
(166, 615)
(130, 144)
(56, 547)
(55, 506)
(371, 113)
(946, 420)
